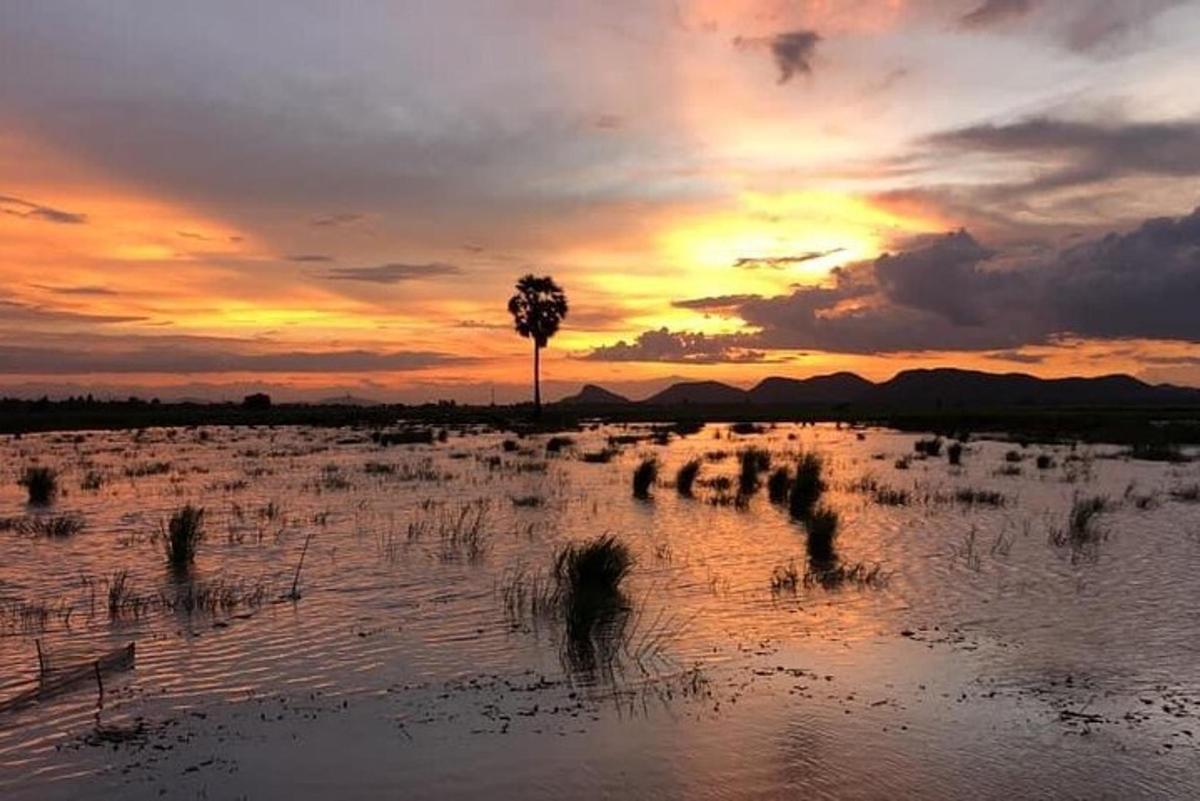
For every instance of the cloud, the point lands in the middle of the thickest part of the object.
(1105, 23)
(12, 311)
(17, 207)
(1016, 356)
(710, 304)
(1071, 153)
(184, 358)
(951, 293)
(779, 262)
(334, 220)
(394, 273)
(665, 346)
(310, 258)
(994, 12)
(77, 290)
(793, 51)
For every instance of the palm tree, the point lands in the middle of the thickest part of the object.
(538, 307)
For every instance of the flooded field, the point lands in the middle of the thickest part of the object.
(368, 620)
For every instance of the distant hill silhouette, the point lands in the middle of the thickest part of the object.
(594, 395)
(823, 389)
(346, 400)
(924, 389)
(699, 393)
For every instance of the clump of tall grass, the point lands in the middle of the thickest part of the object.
(888, 496)
(903, 463)
(184, 532)
(40, 483)
(785, 578)
(92, 481)
(1013, 457)
(465, 536)
(55, 527)
(686, 477)
(1044, 461)
(557, 444)
(931, 446)
(1082, 527)
(822, 526)
(954, 452)
(807, 485)
(1188, 494)
(602, 456)
(969, 496)
(407, 436)
(644, 477)
(778, 485)
(121, 598)
(142, 469)
(753, 461)
(588, 578)
(1157, 452)
(835, 576)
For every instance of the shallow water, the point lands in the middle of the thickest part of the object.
(988, 662)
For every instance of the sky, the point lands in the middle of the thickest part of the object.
(317, 199)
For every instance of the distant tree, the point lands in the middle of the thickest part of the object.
(538, 308)
(258, 400)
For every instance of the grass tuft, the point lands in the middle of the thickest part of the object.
(822, 527)
(807, 486)
(686, 477)
(184, 532)
(644, 477)
(41, 484)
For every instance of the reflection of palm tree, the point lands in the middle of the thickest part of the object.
(538, 307)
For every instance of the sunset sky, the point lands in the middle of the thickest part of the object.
(200, 199)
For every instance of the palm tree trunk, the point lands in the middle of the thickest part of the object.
(537, 380)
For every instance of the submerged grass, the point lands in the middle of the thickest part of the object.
(1082, 529)
(183, 535)
(40, 483)
(822, 527)
(55, 527)
(807, 486)
(644, 477)
(686, 477)
(753, 461)
(778, 485)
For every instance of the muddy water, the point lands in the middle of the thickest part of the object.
(986, 661)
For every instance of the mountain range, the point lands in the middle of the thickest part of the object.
(926, 388)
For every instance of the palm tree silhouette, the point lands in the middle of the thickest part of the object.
(538, 307)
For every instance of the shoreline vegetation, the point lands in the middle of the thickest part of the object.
(1144, 426)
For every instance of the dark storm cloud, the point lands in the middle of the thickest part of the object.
(1070, 153)
(993, 12)
(952, 294)
(393, 273)
(307, 258)
(17, 207)
(792, 51)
